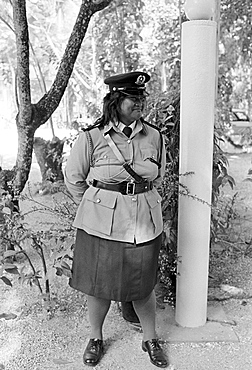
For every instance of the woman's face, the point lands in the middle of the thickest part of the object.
(131, 109)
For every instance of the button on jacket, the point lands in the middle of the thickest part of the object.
(109, 214)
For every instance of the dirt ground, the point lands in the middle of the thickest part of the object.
(32, 342)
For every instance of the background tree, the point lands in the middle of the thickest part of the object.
(32, 115)
(235, 69)
(127, 35)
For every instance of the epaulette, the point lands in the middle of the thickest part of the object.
(150, 124)
(98, 123)
(161, 140)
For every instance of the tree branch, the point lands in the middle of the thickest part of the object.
(50, 101)
(99, 5)
(42, 256)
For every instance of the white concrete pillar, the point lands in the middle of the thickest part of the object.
(198, 71)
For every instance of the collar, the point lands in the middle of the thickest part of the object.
(111, 126)
(136, 126)
(122, 125)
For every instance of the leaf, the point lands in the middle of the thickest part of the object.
(9, 266)
(12, 271)
(66, 272)
(59, 271)
(8, 316)
(231, 289)
(45, 296)
(6, 210)
(9, 253)
(35, 281)
(65, 265)
(21, 279)
(6, 280)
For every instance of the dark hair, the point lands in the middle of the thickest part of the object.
(111, 107)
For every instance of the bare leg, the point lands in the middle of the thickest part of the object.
(146, 311)
(97, 311)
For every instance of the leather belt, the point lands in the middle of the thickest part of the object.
(125, 188)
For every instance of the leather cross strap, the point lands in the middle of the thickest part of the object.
(120, 157)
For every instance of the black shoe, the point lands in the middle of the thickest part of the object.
(156, 353)
(129, 313)
(93, 352)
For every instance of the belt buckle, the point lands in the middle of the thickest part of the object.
(130, 188)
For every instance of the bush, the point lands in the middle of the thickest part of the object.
(18, 239)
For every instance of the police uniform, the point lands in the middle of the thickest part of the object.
(119, 220)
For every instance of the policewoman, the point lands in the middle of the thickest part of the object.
(112, 172)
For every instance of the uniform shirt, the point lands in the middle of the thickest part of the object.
(109, 214)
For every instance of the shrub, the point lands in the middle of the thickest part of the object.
(18, 239)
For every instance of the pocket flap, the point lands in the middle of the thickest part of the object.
(153, 199)
(101, 197)
(149, 152)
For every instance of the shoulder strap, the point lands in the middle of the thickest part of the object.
(98, 123)
(90, 147)
(114, 148)
(120, 157)
(161, 143)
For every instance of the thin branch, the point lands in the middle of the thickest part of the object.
(49, 102)
(7, 24)
(99, 5)
(42, 256)
(31, 265)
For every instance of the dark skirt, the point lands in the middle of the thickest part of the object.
(114, 270)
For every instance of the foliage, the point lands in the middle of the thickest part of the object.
(52, 246)
(32, 115)
(149, 35)
(122, 20)
(231, 239)
(223, 212)
(235, 51)
(220, 170)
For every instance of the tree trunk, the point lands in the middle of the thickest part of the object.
(32, 116)
(24, 156)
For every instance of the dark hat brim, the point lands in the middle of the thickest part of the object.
(132, 92)
(133, 82)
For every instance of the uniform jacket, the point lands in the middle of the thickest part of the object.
(108, 214)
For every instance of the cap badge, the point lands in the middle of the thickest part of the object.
(140, 80)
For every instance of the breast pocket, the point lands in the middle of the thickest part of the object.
(149, 162)
(107, 165)
(99, 208)
(150, 152)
